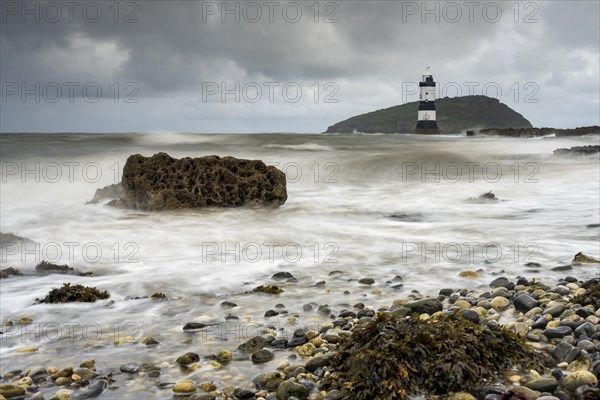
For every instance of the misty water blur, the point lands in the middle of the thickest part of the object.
(369, 205)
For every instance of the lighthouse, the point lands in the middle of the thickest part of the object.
(426, 123)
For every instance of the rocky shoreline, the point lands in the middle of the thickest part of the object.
(537, 132)
(558, 322)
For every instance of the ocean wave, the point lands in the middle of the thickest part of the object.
(300, 147)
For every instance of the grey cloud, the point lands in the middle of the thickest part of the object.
(373, 48)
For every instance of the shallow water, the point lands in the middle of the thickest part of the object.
(343, 192)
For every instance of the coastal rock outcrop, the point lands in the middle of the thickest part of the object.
(578, 151)
(538, 132)
(162, 182)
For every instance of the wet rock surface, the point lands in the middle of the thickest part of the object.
(578, 151)
(74, 293)
(161, 182)
(530, 341)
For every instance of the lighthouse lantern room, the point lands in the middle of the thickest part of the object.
(426, 121)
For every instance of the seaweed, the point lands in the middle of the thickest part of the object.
(46, 267)
(591, 296)
(270, 289)
(10, 271)
(79, 293)
(391, 357)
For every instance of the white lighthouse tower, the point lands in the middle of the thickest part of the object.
(426, 122)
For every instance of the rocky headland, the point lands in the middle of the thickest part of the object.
(454, 115)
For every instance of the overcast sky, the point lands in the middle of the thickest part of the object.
(271, 66)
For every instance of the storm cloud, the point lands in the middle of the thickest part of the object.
(258, 66)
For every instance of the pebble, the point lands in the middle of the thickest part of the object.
(587, 329)
(461, 396)
(184, 387)
(500, 303)
(10, 391)
(462, 304)
(269, 380)
(63, 394)
(61, 381)
(262, 356)
(579, 378)
(424, 306)
(558, 332)
(525, 303)
(224, 356)
(324, 310)
(499, 282)
(87, 364)
(540, 323)
(555, 311)
(331, 336)
(288, 389)
(130, 368)
(25, 320)
(543, 384)
(252, 345)
(523, 392)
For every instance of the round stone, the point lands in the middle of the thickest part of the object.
(10, 391)
(184, 387)
(579, 378)
(262, 356)
(499, 303)
(224, 356)
(543, 384)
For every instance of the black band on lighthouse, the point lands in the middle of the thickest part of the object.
(426, 105)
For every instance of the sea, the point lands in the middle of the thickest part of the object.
(403, 210)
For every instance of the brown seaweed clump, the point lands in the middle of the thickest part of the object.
(270, 289)
(391, 357)
(74, 293)
(591, 296)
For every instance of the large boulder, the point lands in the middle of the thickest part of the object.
(162, 182)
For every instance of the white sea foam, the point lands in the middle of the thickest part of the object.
(342, 192)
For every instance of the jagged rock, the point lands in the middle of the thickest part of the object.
(46, 267)
(252, 345)
(538, 132)
(10, 271)
(581, 258)
(162, 182)
(578, 151)
(110, 192)
(483, 198)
